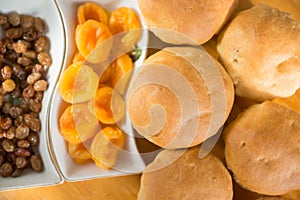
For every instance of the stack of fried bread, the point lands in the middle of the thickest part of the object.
(242, 96)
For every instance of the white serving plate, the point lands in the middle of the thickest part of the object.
(48, 11)
(129, 161)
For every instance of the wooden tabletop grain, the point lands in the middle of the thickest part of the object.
(124, 187)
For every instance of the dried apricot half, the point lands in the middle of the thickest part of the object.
(108, 105)
(124, 19)
(106, 145)
(78, 153)
(77, 124)
(91, 10)
(77, 57)
(121, 69)
(93, 40)
(106, 75)
(78, 83)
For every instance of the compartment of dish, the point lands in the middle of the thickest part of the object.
(55, 32)
(128, 160)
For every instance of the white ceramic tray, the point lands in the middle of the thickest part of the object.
(48, 11)
(129, 161)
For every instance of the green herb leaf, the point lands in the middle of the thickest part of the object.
(136, 54)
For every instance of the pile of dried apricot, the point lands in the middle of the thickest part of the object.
(88, 123)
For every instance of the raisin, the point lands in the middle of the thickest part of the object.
(19, 71)
(36, 163)
(32, 122)
(22, 152)
(27, 21)
(33, 138)
(14, 33)
(23, 144)
(28, 92)
(17, 172)
(8, 145)
(6, 169)
(39, 24)
(14, 19)
(42, 44)
(22, 131)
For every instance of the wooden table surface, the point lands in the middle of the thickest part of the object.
(125, 187)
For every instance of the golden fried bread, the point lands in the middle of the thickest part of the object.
(272, 198)
(182, 175)
(172, 104)
(262, 149)
(260, 50)
(192, 19)
(290, 6)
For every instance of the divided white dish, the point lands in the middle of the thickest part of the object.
(129, 161)
(48, 11)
